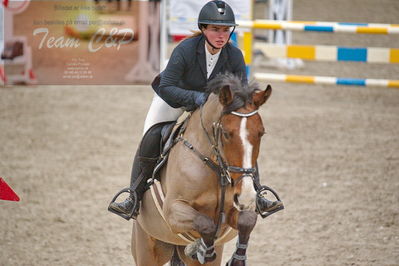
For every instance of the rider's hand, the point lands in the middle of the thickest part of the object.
(200, 98)
(197, 99)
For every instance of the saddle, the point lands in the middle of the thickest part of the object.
(169, 135)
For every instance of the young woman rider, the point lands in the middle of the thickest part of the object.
(181, 86)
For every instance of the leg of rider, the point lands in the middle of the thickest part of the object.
(143, 165)
(264, 204)
(159, 112)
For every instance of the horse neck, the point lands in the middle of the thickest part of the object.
(211, 112)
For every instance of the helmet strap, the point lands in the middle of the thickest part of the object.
(231, 33)
(206, 39)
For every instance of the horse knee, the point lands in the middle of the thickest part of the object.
(205, 226)
(246, 221)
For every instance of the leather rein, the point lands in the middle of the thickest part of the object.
(221, 168)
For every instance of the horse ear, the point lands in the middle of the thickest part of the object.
(225, 95)
(260, 97)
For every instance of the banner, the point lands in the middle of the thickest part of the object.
(80, 42)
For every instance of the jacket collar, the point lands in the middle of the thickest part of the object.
(220, 63)
(202, 56)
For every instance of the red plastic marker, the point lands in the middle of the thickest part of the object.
(6, 193)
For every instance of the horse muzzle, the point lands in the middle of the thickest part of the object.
(246, 199)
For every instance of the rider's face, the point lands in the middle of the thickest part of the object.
(217, 35)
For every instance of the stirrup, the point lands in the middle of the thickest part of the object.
(133, 195)
(263, 190)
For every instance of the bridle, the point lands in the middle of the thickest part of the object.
(217, 130)
(221, 168)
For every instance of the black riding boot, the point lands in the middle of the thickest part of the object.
(141, 171)
(264, 206)
(143, 166)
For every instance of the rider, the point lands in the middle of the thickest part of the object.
(194, 62)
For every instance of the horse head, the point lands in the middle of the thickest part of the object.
(237, 135)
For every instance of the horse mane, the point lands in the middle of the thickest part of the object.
(242, 93)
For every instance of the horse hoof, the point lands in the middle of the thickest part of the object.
(209, 259)
(191, 249)
(233, 262)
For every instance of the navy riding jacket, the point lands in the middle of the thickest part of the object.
(185, 75)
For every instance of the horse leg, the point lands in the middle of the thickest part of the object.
(183, 218)
(147, 250)
(176, 261)
(190, 262)
(245, 224)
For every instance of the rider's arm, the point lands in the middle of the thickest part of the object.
(169, 89)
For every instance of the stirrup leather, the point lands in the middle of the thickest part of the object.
(133, 196)
(259, 194)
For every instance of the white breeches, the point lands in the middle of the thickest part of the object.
(159, 112)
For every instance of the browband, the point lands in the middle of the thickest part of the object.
(244, 115)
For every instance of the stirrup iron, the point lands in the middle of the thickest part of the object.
(263, 190)
(133, 196)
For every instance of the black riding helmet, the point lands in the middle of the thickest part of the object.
(216, 13)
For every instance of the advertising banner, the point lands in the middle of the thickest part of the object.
(80, 41)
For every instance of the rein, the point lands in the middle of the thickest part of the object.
(221, 168)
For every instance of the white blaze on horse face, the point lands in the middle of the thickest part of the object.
(247, 146)
(247, 197)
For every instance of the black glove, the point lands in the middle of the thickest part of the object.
(198, 99)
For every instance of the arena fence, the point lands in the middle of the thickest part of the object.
(327, 80)
(322, 52)
(319, 26)
(330, 53)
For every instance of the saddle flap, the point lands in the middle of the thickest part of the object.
(175, 130)
(170, 132)
(166, 131)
